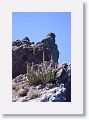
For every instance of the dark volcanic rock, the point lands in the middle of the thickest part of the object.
(64, 76)
(25, 51)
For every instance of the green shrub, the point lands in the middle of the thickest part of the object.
(40, 76)
(44, 73)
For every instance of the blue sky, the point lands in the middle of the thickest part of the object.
(36, 25)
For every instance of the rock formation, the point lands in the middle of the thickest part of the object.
(24, 51)
(37, 75)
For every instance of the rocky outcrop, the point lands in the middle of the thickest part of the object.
(58, 90)
(24, 51)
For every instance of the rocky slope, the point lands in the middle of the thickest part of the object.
(24, 51)
(37, 76)
(59, 90)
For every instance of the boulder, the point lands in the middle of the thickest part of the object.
(22, 92)
(64, 76)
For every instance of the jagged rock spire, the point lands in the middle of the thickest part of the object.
(51, 34)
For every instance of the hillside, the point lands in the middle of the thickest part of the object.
(37, 75)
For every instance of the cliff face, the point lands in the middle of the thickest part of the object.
(24, 51)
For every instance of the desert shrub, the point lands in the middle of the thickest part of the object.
(42, 75)
(45, 72)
